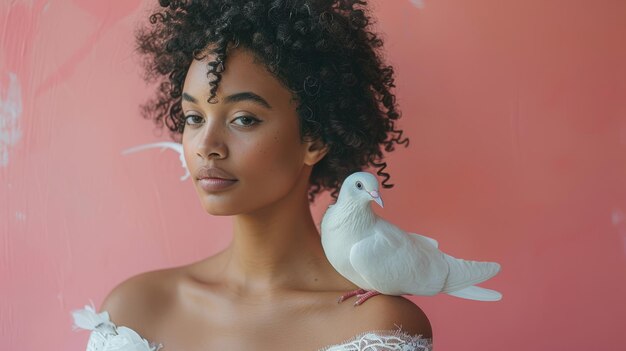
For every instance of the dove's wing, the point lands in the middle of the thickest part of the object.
(434, 242)
(464, 273)
(394, 263)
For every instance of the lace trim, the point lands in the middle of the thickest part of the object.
(383, 340)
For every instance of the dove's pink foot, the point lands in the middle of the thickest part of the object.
(361, 295)
(349, 294)
(365, 296)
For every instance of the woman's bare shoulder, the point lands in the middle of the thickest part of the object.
(137, 299)
(384, 312)
(151, 293)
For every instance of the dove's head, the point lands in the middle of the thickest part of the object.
(360, 187)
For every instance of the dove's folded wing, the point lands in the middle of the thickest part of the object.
(394, 264)
(434, 242)
(465, 273)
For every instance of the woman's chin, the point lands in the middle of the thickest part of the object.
(219, 210)
(224, 206)
(218, 213)
(219, 204)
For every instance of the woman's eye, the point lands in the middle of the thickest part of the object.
(194, 118)
(246, 121)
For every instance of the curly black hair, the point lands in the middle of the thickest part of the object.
(322, 50)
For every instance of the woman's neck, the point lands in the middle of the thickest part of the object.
(276, 248)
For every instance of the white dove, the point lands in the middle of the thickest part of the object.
(164, 145)
(381, 258)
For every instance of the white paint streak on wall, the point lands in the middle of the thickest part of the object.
(10, 113)
(418, 3)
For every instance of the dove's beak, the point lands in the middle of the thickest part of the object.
(376, 197)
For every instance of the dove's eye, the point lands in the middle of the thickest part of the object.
(359, 185)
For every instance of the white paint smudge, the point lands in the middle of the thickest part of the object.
(617, 216)
(617, 219)
(418, 3)
(10, 113)
(20, 216)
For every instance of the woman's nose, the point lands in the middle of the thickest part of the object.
(211, 143)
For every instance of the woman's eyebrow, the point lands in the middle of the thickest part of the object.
(250, 96)
(189, 98)
(243, 96)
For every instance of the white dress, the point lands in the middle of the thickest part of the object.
(106, 336)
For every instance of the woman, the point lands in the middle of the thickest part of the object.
(273, 101)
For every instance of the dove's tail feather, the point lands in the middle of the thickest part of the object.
(477, 293)
(464, 273)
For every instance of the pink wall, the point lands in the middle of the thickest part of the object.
(517, 117)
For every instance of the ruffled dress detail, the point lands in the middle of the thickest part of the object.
(106, 336)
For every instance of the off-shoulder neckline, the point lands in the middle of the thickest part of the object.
(87, 318)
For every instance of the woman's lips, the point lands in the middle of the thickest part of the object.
(214, 179)
(215, 184)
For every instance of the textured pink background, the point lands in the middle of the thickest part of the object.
(517, 117)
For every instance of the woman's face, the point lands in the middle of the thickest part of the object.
(249, 139)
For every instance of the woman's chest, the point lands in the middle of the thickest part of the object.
(281, 325)
(304, 332)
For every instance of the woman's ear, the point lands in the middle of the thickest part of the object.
(315, 151)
